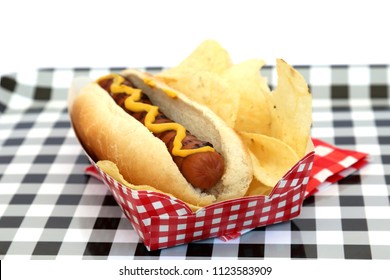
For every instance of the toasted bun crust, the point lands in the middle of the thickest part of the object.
(107, 132)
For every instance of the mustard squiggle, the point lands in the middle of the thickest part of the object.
(132, 104)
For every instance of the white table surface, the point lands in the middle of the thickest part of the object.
(39, 33)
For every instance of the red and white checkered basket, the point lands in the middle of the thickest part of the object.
(162, 221)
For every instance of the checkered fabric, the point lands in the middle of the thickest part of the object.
(50, 208)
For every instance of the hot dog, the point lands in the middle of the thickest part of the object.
(203, 169)
(207, 162)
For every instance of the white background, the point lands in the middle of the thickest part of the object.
(61, 33)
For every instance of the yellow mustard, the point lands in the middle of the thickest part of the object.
(132, 104)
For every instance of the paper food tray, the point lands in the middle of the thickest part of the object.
(162, 221)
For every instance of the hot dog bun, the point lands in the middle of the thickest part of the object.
(107, 132)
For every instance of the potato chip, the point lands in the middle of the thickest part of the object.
(271, 158)
(258, 188)
(208, 56)
(274, 125)
(245, 80)
(291, 108)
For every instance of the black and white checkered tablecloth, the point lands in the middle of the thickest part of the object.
(49, 208)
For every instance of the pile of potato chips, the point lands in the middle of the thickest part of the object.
(275, 125)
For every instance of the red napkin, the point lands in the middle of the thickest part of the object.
(332, 164)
